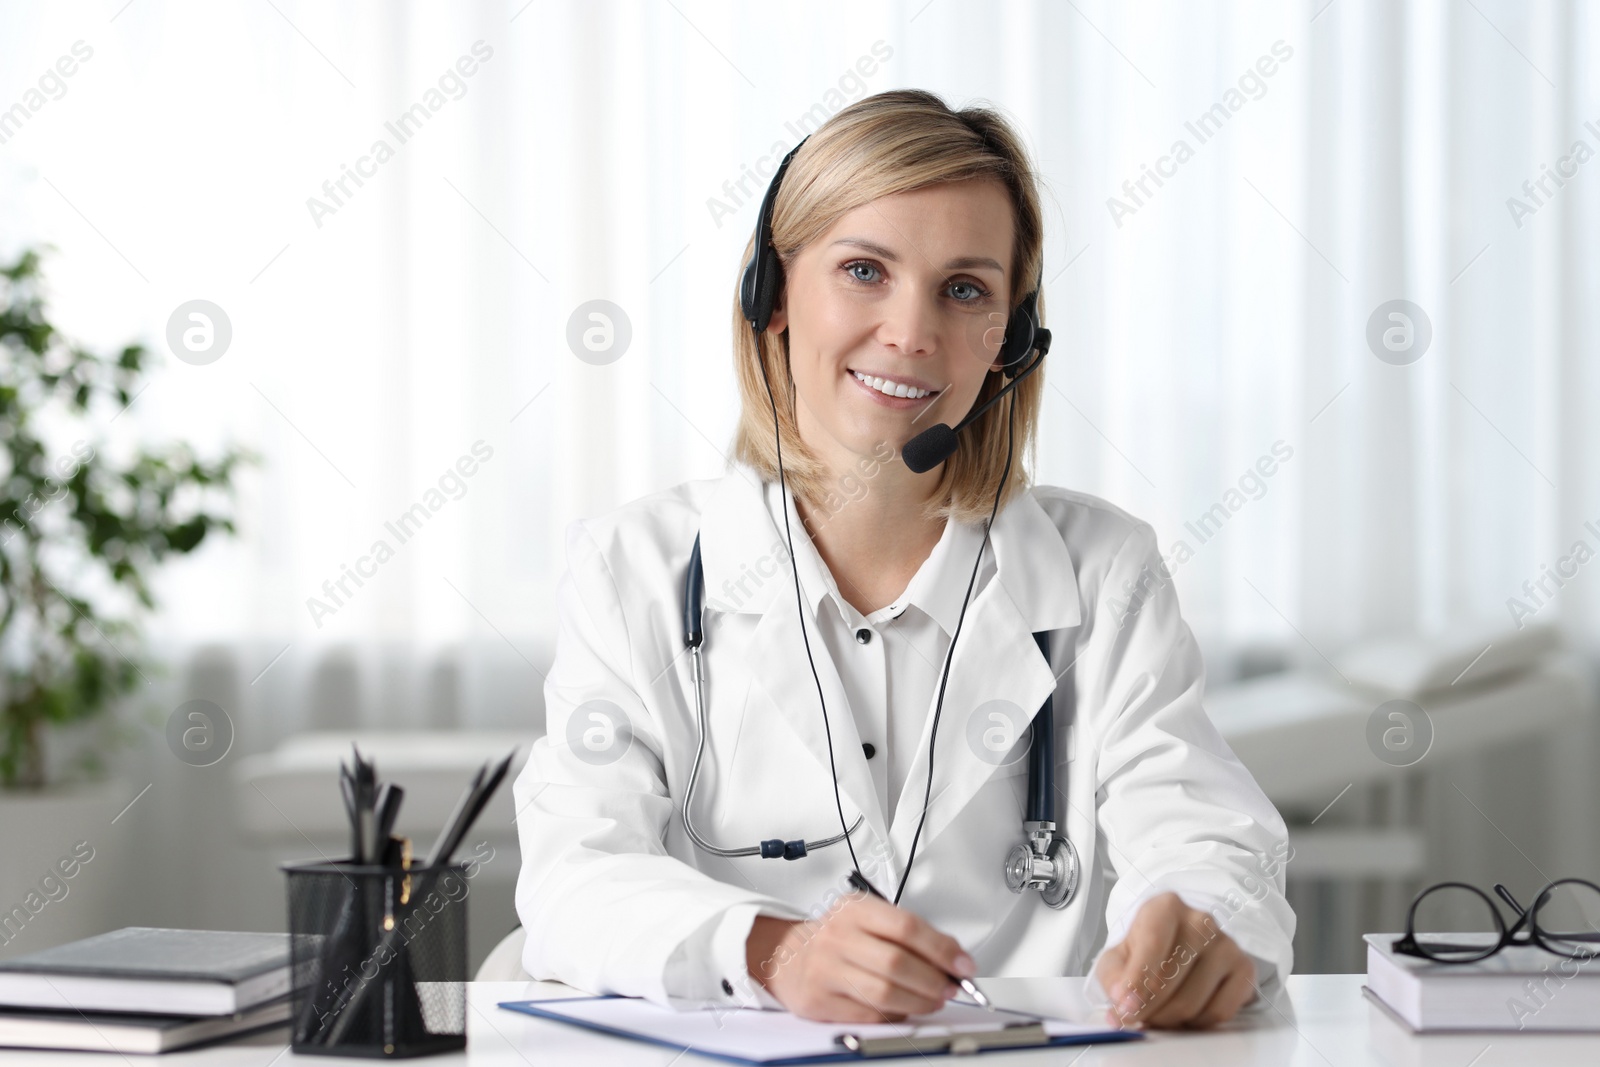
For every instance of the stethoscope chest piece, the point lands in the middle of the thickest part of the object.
(1048, 863)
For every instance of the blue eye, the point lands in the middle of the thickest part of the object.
(977, 294)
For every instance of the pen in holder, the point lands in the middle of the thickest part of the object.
(379, 958)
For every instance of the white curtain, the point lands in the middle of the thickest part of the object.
(1204, 325)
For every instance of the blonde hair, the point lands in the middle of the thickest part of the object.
(894, 142)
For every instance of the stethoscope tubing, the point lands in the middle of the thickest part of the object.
(694, 774)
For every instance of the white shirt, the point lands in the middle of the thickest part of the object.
(892, 676)
(891, 680)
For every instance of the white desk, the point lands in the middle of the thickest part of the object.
(1328, 1023)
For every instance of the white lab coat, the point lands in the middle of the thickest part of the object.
(611, 887)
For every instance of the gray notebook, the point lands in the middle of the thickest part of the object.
(151, 969)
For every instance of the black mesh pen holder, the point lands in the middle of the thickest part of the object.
(379, 959)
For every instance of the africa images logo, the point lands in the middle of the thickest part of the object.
(402, 128)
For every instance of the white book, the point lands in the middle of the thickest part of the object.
(129, 1033)
(1518, 988)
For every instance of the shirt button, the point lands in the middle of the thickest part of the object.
(727, 987)
(863, 635)
(868, 749)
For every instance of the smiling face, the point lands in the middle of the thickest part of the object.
(896, 315)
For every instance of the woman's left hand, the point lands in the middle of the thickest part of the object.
(1175, 969)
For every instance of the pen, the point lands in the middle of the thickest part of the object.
(966, 984)
(437, 854)
(347, 787)
(387, 809)
(366, 783)
(484, 783)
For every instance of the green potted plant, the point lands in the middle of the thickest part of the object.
(80, 532)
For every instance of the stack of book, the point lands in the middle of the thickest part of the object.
(1521, 987)
(145, 989)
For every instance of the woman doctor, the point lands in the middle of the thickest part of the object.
(906, 236)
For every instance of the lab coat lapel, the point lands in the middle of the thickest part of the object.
(746, 560)
(997, 668)
(996, 660)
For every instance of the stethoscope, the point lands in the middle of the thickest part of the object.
(1046, 861)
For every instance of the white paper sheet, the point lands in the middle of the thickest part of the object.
(761, 1036)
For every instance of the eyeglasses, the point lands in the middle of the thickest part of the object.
(1564, 919)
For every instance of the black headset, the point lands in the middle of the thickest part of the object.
(763, 278)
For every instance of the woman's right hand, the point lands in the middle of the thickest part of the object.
(865, 961)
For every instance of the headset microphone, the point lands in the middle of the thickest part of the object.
(937, 443)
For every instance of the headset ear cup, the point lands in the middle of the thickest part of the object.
(1023, 333)
(1019, 338)
(771, 280)
(747, 291)
(758, 288)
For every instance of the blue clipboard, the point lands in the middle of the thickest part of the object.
(1011, 1036)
